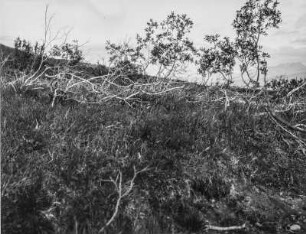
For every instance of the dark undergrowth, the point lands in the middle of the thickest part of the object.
(209, 164)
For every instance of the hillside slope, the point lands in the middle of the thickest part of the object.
(191, 160)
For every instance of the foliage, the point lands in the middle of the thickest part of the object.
(125, 59)
(123, 52)
(84, 153)
(32, 59)
(165, 46)
(205, 163)
(220, 58)
(167, 41)
(68, 51)
(285, 84)
(252, 22)
(26, 198)
(26, 56)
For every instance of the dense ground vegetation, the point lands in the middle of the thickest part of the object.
(211, 157)
(94, 149)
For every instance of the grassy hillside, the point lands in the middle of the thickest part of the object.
(113, 155)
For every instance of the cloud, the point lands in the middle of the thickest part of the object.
(292, 51)
(107, 8)
(22, 1)
(287, 54)
(300, 41)
(6, 38)
(282, 32)
(301, 22)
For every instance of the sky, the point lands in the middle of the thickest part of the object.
(93, 22)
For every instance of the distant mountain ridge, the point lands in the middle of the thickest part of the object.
(287, 70)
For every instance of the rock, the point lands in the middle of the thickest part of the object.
(295, 227)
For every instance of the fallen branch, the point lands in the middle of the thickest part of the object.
(216, 228)
(296, 89)
(281, 121)
(282, 125)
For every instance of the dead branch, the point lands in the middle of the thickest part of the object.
(105, 88)
(227, 101)
(296, 89)
(43, 58)
(275, 120)
(122, 191)
(284, 122)
(216, 228)
(265, 113)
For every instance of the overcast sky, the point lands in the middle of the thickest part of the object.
(95, 21)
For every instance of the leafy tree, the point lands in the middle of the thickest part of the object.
(164, 45)
(68, 51)
(124, 58)
(168, 45)
(252, 22)
(121, 52)
(218, 59)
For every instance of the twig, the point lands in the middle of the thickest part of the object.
(216, 228)
(54, 97)
(296, 89)
(279, 123)
(121, 194)
(283, 122)
(227, 101)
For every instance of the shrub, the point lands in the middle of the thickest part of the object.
(70, 52)
(26, 56)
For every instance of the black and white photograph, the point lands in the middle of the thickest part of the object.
(153, 116)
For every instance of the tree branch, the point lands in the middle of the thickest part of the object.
(119, 187)
(216, 228)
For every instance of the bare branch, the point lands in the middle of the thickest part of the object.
(119, 187)
(296, 89)
(279, 120)
(216, 228)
